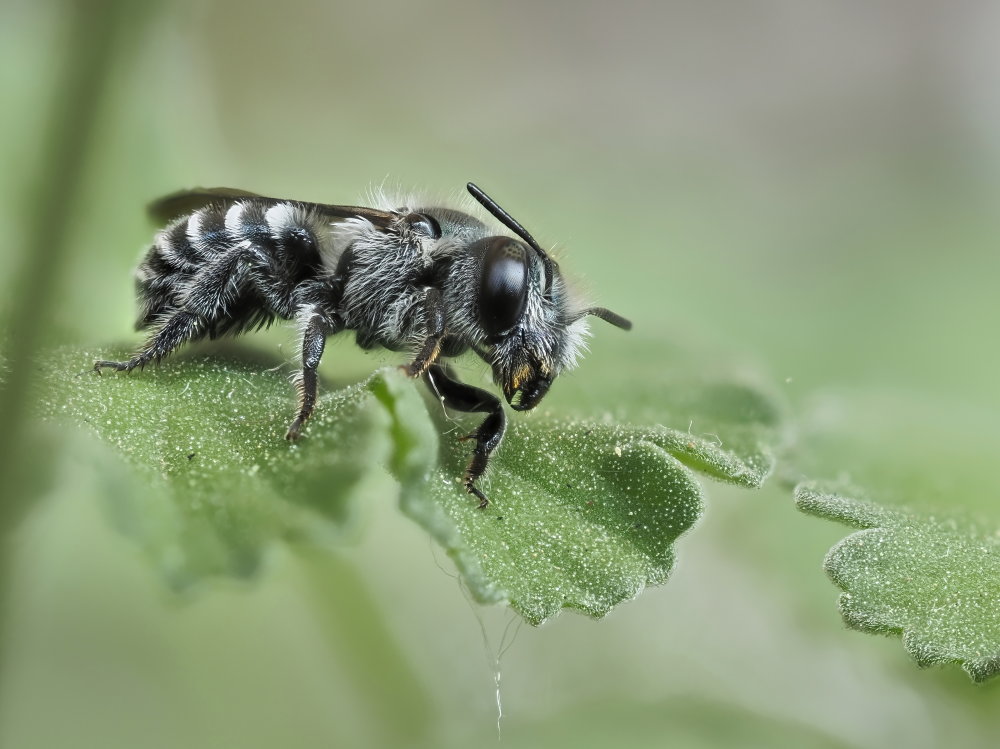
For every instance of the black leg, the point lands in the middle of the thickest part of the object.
(428, 354)
(206, 299)
(470, 399)
(313, 343)
(216, 285)
(180, 327)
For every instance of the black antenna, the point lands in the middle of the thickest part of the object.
(507, 220)
(608, 316)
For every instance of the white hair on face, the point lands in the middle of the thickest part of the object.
(575, 343)
(576, 334)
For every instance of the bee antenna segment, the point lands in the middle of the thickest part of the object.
(507, 220)
(608, 316)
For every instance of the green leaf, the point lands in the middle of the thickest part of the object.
(205, 437)
(934, 579)
(720, 425)
(744, 456)
(584, 515)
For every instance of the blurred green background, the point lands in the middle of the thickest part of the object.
(808, 188)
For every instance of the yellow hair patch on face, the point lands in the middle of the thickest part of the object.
(518, 378)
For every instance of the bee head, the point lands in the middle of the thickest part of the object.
(511, 315)
(524, 313)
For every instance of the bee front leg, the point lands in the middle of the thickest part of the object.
(431, 348)
(468, 399)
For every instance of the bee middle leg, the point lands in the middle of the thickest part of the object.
(431, 348)
(317, 328)
(468, 399)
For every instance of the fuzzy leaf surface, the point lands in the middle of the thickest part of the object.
(933, 579)
(584, 514)
(733, 431)
(216, 480)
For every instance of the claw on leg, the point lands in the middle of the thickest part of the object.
(470, 487)
(294, 429)
(118, 366)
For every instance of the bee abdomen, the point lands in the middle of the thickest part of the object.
(185, 245)
(179, 252)
(281, 240)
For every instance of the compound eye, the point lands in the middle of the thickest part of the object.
(424, 224)
(503, 284)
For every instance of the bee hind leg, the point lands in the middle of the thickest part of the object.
(204, 301)
(180, 327)
(468, 399)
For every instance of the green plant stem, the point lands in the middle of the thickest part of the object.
(88, 42)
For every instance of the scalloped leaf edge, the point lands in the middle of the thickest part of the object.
(871, 519)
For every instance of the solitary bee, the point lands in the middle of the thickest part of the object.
(432, 281)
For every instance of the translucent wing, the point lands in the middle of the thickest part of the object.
(188, 201)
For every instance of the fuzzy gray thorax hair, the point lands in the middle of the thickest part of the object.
(380, 300)
(382, 303)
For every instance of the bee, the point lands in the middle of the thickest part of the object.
(432, 281)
